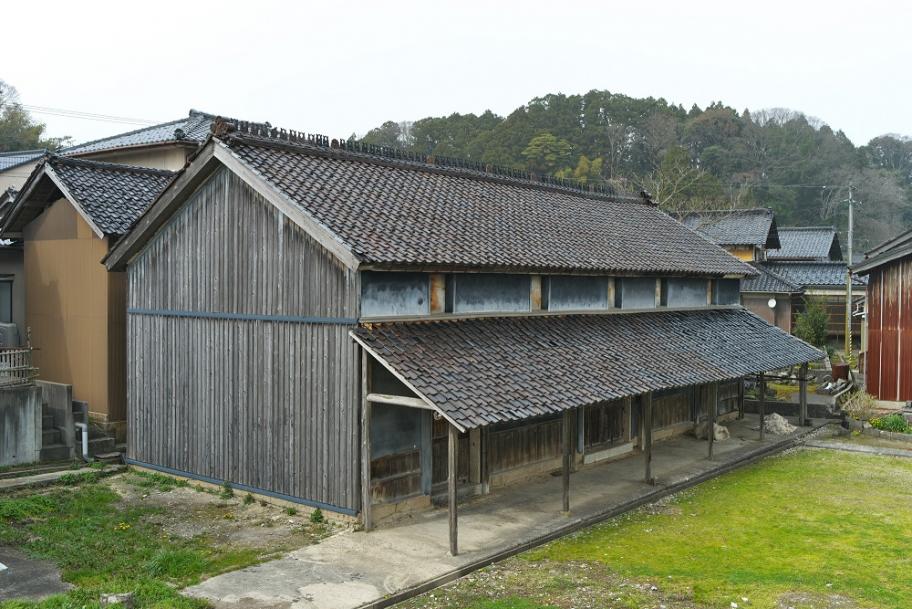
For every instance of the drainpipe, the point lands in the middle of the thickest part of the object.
(84, 428)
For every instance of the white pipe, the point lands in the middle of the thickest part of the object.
(84, 428)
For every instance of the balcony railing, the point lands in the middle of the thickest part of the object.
(16, 367)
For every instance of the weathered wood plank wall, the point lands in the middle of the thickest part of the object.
(240, 366)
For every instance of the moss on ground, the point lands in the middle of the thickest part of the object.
(811, 529)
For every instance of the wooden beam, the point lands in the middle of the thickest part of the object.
(366, 516)
(452, 461)
(762, 402)
(803, 395)
(565, 428)
(647, 434)
(398, 400)
(711, 419)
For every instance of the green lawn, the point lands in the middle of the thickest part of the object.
(106, 543)
(811, 529)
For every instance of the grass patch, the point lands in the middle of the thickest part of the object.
(103, 547)
(812, 529)
(155, 481)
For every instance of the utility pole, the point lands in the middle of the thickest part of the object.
(848, 320)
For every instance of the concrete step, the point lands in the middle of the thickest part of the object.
(99, 445)
(50, 436)
(54, 452)
(47, 421)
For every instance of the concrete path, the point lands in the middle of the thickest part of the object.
(882, 451)
(24, 578)
(11, 484)
(356, 569)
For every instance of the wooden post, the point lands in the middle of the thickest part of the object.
(803, 395)
(451, 487)
(762, 402)
(740, 399)
(711, 419)
(565, 428)
(647, 435)
(366, 516)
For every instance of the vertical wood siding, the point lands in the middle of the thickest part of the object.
(888, 368)
(268, 403)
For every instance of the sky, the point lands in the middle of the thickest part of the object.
(340, 67)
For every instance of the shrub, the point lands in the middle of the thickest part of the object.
(892, 422)
(811, 324)
(317, 517)
(859, 405)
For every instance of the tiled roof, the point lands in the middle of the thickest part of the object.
(768, 282)
(814, 274)
(398, 213)
(731, 227)
(113, 196)
(194, 130)
(483, 371)
(8, 160)
(820, 243)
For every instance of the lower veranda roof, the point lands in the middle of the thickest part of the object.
(489, 370)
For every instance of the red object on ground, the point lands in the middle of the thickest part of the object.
(840, 371)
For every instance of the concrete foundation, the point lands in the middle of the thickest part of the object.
(20, 425)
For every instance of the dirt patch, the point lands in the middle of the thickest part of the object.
(187, 512)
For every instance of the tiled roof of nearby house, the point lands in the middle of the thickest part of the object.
(768, 282)
(405, 213)
(820, 243)
(112, 195)
(109, 196)
(733, 227)
(891, 249)
(483, 371)
(814, 274)
(9, 160)
(191, 130)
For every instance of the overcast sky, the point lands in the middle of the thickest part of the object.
(336, 67)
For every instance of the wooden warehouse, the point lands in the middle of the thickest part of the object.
(888, 359)
(362, 330)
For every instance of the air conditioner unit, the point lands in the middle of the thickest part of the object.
(9, 335)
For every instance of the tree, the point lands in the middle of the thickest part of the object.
(679, 185)
(545, 153)
(811, 324)
(390, 134)
(18, 130)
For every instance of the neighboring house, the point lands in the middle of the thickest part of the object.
(16, 167)
(888, 359)
(67, 216)
(808, 243)
(357, 330)
(12, 273)
(771, 296)
(746, 233)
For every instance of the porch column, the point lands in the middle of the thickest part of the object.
(740, 399)
(761, 404)
(452, 447)
(647, 435)
(366, 517)
(711, 419)
(803, 395)
(565, 429)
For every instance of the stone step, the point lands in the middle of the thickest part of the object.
(54, 452)
(99, 445)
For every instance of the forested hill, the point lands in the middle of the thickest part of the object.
(698, 158)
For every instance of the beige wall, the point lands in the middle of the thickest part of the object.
(157, 157)
(16, 176)
(742, 253)
(76, 310)
(780, 316)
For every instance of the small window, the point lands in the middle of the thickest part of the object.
(489, 292)
(726, 291)
(6, 301)
(391, 294)
(568, 293)
(636, 292)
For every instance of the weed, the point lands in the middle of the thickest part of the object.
(154, 480)
(227, 492)
(79, 478)
(317, 517)
(291, 511)
(176, 563)
(248, 499)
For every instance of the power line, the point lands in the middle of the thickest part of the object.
(91, 116)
